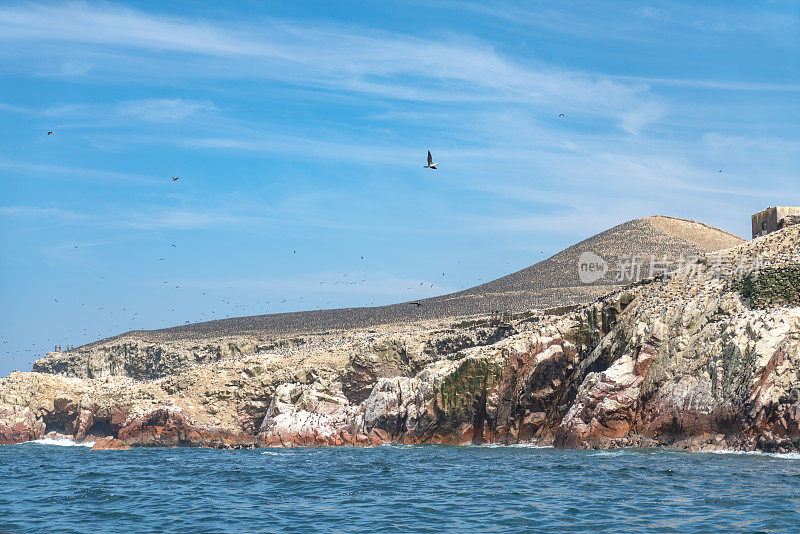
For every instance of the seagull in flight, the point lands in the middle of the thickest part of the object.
(50, 133)
(431, 164)
(175, 178)
(560, 114)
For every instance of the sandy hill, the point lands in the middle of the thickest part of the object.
(551, 283)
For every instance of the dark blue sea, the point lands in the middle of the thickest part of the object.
(49, 488)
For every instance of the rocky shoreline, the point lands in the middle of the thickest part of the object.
(705, 358)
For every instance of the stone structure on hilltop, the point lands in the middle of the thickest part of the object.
(773, 219)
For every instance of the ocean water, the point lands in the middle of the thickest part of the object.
(46, 487)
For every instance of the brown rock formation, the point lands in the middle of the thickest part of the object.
(699, 359)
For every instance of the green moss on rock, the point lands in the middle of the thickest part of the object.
(465, 390)
(772, 286)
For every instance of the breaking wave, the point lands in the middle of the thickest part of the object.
(782, 455)
(62, 442)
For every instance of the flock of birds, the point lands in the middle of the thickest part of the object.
(430, 164)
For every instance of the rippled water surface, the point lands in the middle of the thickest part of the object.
(49, 488)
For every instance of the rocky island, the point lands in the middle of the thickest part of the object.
(702, 355)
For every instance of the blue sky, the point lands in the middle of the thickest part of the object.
(303, 126)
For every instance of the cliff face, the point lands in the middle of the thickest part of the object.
(712, 352)
(704, 358)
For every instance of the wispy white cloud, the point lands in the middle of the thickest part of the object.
(716, 85)
(164, 109)
(351, 59)
(717, 140)
(47, 171)
(61, 110)
(149, 109)
(72, 252)
(49, 213)
(68, 69)
(14, 109)
(178, 219)
(635, 23)
(141, 218)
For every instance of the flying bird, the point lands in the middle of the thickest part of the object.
(50, 133)
(560, 114)
(431, 164)
(175, 178)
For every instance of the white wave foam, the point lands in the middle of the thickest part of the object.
(62, 442)
(615, 452)
(781, 455)
(503, 446)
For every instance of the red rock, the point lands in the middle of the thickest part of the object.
(110, 444)
(382, 435)
(166, 427)
(118, 417)
(84, 422)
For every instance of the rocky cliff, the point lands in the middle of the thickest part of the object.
(706, 357)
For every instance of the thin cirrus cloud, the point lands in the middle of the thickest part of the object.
(381, 64)
(633, 22)
(147, 109)
(49, 171)
(142, 219)
(48, 213)
(164, 109)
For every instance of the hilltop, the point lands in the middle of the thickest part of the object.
(551, 283)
